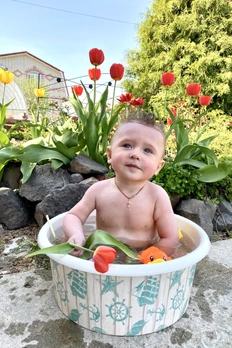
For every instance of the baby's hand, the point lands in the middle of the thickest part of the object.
(78, 239)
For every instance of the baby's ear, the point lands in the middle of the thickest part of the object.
(160, 166)
(108, 154)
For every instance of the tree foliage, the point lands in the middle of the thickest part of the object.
(28, 86)
(191, 38)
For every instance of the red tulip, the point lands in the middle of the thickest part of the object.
(169, 121)
(167, 79)
(137, 102)
(173, 111)
(96, 56)
(125, 98)
(78, 90)
(116, 71)
(94, 74)
(102, 256)
(204, 100)
(193, 89)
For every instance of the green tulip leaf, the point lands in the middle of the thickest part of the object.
(211, 173)
(64, 248)
(26, 169)
(37, 153)
(192, 162)
(100, 237)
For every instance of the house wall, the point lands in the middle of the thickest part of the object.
(21, 64)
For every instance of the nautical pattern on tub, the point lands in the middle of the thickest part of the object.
(125, 306)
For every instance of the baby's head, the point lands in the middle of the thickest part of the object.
(144, 118)
(138, 139)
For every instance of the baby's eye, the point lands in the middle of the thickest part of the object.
(147, 150)
(127, 146)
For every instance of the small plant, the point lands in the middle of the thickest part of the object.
(6, 77)
(97, 119)
(195, 153)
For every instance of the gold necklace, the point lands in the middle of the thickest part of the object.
(128, 197)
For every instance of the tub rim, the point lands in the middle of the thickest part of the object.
(130, 270)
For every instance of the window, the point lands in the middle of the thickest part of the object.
(34, 75)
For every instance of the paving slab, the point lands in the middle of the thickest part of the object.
(29, 316)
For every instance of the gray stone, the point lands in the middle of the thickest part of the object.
(14, 213)
(43, 180)
(223, 217)
(84, 165)
(75, 178)
(200, 212)
(90, 181)
(11, 176)
(59, 201)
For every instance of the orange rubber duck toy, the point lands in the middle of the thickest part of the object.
(153, 255)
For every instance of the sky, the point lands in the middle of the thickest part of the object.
(61, 32)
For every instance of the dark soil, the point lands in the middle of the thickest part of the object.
(26, 239)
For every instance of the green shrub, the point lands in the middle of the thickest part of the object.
(183, 182)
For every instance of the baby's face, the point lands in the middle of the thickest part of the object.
(136, 150)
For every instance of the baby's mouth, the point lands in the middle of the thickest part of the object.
(132, 166)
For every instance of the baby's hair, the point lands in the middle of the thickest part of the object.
(144, 118)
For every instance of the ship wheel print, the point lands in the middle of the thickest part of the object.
(178, 299)
(118, 311)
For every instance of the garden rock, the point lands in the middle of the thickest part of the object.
(15, 214)
(84, 165)
(11, 177)
(43, 180)
(76, 178)
(198, 211)
(59, 201)
(223, 217)
(51, 192)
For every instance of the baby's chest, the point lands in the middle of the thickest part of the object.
(128, 218)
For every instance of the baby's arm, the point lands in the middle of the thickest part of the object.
(165, 223)
(76, 217)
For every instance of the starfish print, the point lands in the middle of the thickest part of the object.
(176, 278)
(109, 285)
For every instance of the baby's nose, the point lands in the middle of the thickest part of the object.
(135, 155)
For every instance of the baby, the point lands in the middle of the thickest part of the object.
(128, 206)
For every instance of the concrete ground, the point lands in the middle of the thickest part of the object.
(29, 316)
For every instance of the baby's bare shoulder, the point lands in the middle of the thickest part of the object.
(156, 189)
(100, 185)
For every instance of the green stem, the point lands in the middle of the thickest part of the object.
(4, 88)
(166, 103)
(94, 88)
(114, 91)
(76, 246)
(50, 226)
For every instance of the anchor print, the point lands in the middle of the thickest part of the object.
(93, 310)
(160, 311)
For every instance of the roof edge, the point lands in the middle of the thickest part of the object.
(32, 55)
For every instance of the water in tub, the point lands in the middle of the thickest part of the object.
(186, 244)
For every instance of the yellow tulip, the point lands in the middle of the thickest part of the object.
(39, 92)
(6, 76)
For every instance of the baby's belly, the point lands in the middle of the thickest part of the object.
(139, 240)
